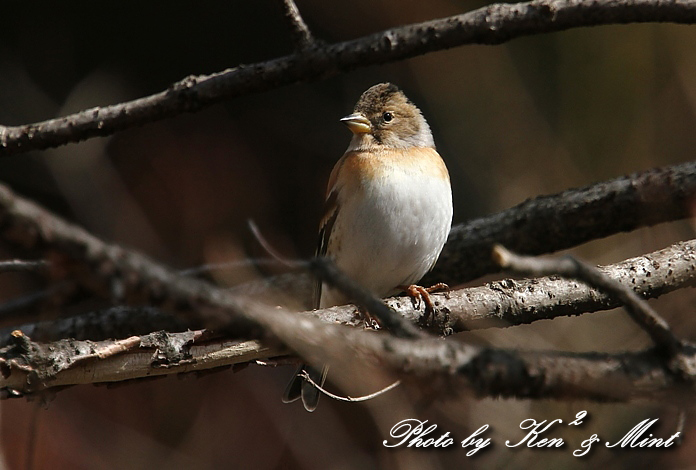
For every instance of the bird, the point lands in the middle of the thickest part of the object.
(388, 209)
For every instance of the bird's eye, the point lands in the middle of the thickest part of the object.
(387, 116)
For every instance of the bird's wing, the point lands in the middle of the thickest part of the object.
(325, 227)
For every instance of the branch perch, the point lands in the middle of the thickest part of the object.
(125, 276)
(491, 372)
(567, 266)
(500, 303)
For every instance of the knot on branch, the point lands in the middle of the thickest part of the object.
(185, 92)
(170, 349)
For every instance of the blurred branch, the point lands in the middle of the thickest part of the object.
(493, 24)
(452, 365)
(500, 303)
(112, 272)
(388, 318)
(129, 277)
(550, 223)
(17, 265)
(656, 195)
(99, 325)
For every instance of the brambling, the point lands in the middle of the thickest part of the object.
(388, 208)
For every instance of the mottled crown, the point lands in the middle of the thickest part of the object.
(395, 121)
(377, 97)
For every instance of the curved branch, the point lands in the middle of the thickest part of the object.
(496, 304)
(550, 223)
(516, 302)
(647, 197)
(113, 271)
(449, 364)
(493, 24)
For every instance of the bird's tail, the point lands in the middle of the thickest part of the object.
(299, 387)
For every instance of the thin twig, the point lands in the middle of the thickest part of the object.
(17, 265)
(268, 248)
(327, 271)
(638, 308)
(306, 377)
(492, 24)
(300, 31)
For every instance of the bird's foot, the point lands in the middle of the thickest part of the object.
(422, 294)
(369, 321)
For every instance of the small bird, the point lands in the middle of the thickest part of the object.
(388, 209)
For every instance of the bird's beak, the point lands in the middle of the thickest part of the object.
(357, 123)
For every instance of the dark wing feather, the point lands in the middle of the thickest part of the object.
(327, 223)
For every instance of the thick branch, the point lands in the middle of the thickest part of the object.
(500, 303)
(83, 362)
(113, 271)
(491, 372)
(492, 24)
(550, 223)
(515, 302)
(567, 266)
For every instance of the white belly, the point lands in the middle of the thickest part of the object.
(392, 231)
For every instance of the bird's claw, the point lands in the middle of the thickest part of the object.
(420, 294)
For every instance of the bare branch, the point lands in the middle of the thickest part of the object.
(113, 271)
(325, 270)
(641, 312)
(493, 24)
(515, 302)
(82, 362)
(550, 223)
(388, 318)
(452, 365)
(512, 301)
(17, 265)
(499, 303)
(99, 325)
(300, 31)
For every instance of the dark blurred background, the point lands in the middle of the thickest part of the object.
(535, 116)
